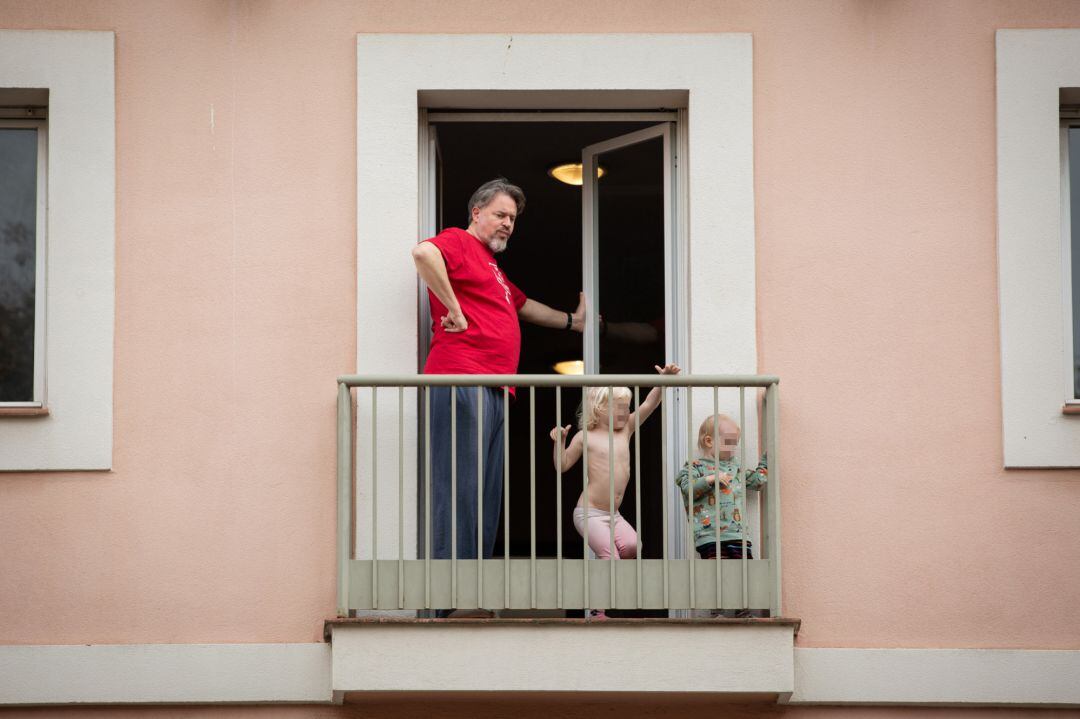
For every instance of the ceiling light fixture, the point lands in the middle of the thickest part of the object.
(570, 173)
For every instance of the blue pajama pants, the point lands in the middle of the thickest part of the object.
(491, 447)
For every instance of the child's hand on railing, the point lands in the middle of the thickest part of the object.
(668, 369)
(559, 434)
(725, 480)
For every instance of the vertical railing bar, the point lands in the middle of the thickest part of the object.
(664, 492)
(344, 495)
(637, 491)
(558, 498)
(479, 496)
(745, 520)
(585, 505)
(506, 498)
(453, 497)
(401, 498)
(427, 496)
(532, 494)
(691, 436)
(716, 494)
(374, 501)
(772, 398)
(612, 556)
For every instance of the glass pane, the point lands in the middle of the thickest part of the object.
(1074, 201)
(18, 262)
(630, 298)
(630, 210)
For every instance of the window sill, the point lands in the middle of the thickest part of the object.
(24, 412)
(1071, 409)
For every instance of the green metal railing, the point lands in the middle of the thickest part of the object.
(420, 582)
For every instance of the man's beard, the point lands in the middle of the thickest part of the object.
(496, 244)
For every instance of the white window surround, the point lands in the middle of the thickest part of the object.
(1067, 279)
(709, 74)
(1032, 65)
(712, 73)
(77, 67)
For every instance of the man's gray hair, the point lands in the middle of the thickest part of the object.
(487, 192)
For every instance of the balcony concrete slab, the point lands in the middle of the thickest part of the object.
(564, 658)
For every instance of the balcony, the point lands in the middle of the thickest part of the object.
(665, 605)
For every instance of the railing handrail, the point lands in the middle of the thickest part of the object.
(558, 380)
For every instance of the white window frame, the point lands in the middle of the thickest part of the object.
(1066, 263)
(400, 76)
(38, 400)
(78, 70)
(1032, 67)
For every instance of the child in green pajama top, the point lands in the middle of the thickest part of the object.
(718, 515)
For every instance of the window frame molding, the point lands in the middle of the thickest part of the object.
(1032, 66)
(39, 401)
(1071, 399)
(77, 68)
(706, 77)
(711, 74)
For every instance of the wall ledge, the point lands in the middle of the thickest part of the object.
(358, 666)
(938, 677)
(164, 674)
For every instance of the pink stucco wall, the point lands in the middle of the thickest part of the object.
(875, 194)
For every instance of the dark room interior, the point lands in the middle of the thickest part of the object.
(544, 259)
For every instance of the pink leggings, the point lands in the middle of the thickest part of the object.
(600, 533)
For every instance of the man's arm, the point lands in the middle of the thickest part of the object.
(540, 314)
(431, 267)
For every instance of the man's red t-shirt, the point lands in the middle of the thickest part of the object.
(490, 303)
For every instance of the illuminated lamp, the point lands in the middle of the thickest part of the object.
(570, 173)
(570, 367)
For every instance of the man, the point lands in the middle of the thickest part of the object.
(477, 331)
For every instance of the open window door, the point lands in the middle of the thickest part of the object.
(431, 223)
(629, 236)
(627, 186)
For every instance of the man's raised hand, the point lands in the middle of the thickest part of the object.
(577, 317)
(668, 369)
